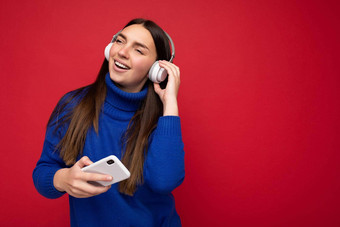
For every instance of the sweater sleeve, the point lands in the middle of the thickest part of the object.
(164, 164)
(50, 161)
(48, 164)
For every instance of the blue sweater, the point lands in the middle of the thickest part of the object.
(153, 203)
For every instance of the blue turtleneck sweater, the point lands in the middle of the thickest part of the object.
(152, 204)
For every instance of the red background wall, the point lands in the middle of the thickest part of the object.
(259, 103)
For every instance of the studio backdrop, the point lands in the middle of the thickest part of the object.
(259, 103)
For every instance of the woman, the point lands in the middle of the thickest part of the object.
(124, 114)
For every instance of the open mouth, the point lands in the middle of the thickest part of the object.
(121, 65)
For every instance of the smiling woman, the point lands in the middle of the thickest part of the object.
(123, 114)
(131, 57)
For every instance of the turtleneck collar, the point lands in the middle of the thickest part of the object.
(123, 100)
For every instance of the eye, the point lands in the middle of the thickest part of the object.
(118, 40)
(139, 51)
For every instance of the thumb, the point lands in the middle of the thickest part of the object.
(84, 161)
(157, 88)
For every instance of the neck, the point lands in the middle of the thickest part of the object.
(119, 98)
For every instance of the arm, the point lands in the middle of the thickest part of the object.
(168, 95)
(75, 182)
(48, 164)
(52, 178)
(164, 165)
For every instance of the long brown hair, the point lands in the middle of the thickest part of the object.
(85, 114)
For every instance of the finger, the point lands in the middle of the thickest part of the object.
(96, 177)
(84, 161)
(177, 70)
(157, 88)
(87, 190)
(78, 192)
(170, 73)
(173, 80)
(92, 190)
(168, 67)
(174, 67)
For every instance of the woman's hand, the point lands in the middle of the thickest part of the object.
(168, 95)
(75, 182)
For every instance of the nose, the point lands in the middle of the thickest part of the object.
(124, 52)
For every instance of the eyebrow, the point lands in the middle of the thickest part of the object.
(135, 43)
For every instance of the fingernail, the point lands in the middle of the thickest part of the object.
(109, 178)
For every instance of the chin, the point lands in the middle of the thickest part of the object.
(115, 77)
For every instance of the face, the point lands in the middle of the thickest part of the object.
(131, 57)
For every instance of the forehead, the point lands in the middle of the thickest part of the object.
(137, 33)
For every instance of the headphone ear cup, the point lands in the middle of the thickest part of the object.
(152, 72)
(107, 51)
(156, 73)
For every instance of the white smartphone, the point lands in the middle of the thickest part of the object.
(110, 165)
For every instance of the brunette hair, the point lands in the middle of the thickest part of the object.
(87, 108)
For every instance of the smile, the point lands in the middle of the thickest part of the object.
(121, 65)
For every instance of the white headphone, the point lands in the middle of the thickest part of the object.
(156, 73)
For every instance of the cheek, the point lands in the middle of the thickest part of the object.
(112, 50)
(143, 66)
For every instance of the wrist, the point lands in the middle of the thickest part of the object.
(170, 108)
(57, 180)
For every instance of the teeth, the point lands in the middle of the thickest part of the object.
(121, 65)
